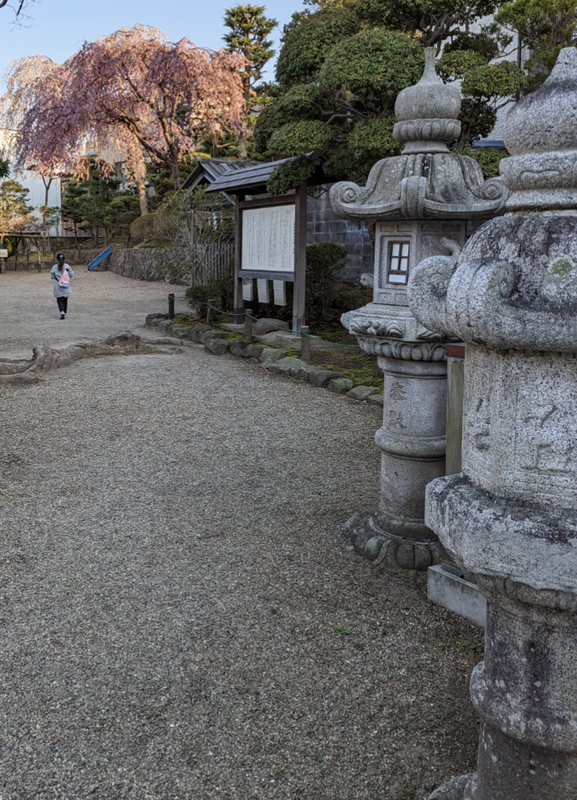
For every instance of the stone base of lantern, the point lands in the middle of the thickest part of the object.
(364, 533)
(454, 789)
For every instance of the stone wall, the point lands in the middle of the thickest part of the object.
(151, 264)
(323, 225)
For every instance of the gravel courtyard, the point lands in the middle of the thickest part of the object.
(178, 621)
(102, 303)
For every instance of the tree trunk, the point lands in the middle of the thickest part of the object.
(242, 139)
(175, 174)
(142, 198)
(243, 152)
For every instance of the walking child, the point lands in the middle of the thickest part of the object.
(61, 274)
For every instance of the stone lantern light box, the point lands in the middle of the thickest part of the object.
(426, 201)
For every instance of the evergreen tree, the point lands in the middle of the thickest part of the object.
(73, 193)
(120, 213)
(249, 29)
(15, 212)
(341, 67)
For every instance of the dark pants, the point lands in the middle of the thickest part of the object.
(62, 304)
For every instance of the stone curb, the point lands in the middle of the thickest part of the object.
(272, 359)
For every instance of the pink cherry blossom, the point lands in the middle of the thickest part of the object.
(132, 91)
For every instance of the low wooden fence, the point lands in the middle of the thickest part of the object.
(212, 262)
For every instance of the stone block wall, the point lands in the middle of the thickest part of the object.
(151, 264)
(323, 225)
(142, 264)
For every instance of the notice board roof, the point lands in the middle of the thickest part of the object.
(253, 178)
(208, 170)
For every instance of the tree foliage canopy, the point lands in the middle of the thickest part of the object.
(434, 21)
(307, 43)
(133, 91)
(15, 212)
(545, 26)
(342, 66)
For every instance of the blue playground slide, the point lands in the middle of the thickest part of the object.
(100, 258)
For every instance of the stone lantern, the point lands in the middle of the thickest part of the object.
(424, 202)
(510, 517)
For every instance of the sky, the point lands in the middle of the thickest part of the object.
(57, 28)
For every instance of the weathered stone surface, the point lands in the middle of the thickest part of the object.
(454, 789)
(284, 338)
(427, 202)
(237, 347)
(44, 359)
(536, 179)
(285, 365)
(212, 334)
(252, 351)
(301, 373)
(195, 333)
(340, 385)
(447, 587)
(245, 350)
(510, 517)
(365, 533)
(375, 399)
(266, 325)
(152, 320)
(361, 392)
(270, 354)
(170, 265)
(322, 377)
(427, 113)
(516, 278)
(164, 325)
(426, 180)
(180, 331)
(216, 345)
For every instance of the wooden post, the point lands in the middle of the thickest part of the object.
(306, 343)
(455, 389)
(300, 257)
(238, 301)
(210, 312)
(248, 323)
(170, 306)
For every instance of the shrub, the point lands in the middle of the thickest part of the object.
(221, 290)
(143, 229)
(325, 263)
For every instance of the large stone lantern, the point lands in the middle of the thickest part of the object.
(510, 517)
(424, 202)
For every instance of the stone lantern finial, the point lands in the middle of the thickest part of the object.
(540, 133)
(427, 112)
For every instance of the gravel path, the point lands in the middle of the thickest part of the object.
(177, 618)
(102, 303)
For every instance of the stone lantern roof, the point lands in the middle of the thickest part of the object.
(426, 180)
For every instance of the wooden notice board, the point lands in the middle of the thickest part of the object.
(271, 245)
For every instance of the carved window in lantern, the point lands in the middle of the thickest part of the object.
(398, 264)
